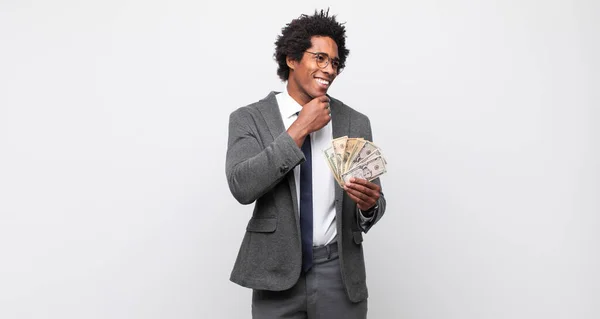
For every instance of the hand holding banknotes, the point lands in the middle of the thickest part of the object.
(354, 163)
(364, 193)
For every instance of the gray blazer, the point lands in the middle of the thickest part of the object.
(261, 156)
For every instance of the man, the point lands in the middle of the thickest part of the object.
(302, 252)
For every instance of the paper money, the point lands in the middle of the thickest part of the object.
(331, 162)
(341, 156)
(374, 154)
(360, 155)
(369, 170)
(353, 145)
(354, 157)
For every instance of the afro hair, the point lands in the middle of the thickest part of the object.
(296, 38)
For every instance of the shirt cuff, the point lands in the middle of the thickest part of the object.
(365, 220)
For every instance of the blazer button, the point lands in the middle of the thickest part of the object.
(283, 168)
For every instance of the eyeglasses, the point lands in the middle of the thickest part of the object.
(323, 61)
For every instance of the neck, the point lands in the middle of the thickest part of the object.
(297, 95)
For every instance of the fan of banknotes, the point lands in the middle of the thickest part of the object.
(354, 157)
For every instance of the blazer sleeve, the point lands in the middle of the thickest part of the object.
(381, 203)
(365, 226)
(251, 168)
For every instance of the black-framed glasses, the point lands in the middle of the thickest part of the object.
(323, 61)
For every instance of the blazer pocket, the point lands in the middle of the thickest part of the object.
(262, 225)
(357, 237)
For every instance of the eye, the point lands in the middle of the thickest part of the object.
(335, 64)
(321, 57)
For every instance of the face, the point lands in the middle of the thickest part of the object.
(307, 80)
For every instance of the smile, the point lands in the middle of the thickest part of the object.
(322, 82)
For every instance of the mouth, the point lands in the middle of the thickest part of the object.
(323, 83)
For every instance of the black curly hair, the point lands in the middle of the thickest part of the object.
(295, 39)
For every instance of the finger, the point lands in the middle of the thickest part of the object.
(358, 194)
(365, 183)
(375, 193)
(361, 199)
(357, 201)
(355, 198)
(364, 193)
(362, 190)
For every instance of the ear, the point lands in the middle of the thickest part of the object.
(291, 63)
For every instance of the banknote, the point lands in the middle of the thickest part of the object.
(354, 157)
(341, 156)
(360, 155)
(330, 157)
(369, 170)
(353, 145)
(370, 156)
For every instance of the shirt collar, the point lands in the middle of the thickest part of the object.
(288, 106)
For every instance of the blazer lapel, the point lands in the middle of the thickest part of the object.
(340, 122)
(270, 112)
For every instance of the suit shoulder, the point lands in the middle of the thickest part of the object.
(254, 108)
(353, 113)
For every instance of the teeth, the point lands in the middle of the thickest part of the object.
(323, 81)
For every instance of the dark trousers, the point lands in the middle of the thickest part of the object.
(318, 294)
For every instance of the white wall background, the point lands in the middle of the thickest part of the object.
(113, 129)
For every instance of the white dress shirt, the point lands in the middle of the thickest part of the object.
(324, 229)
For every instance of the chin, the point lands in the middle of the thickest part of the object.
(319, 92)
